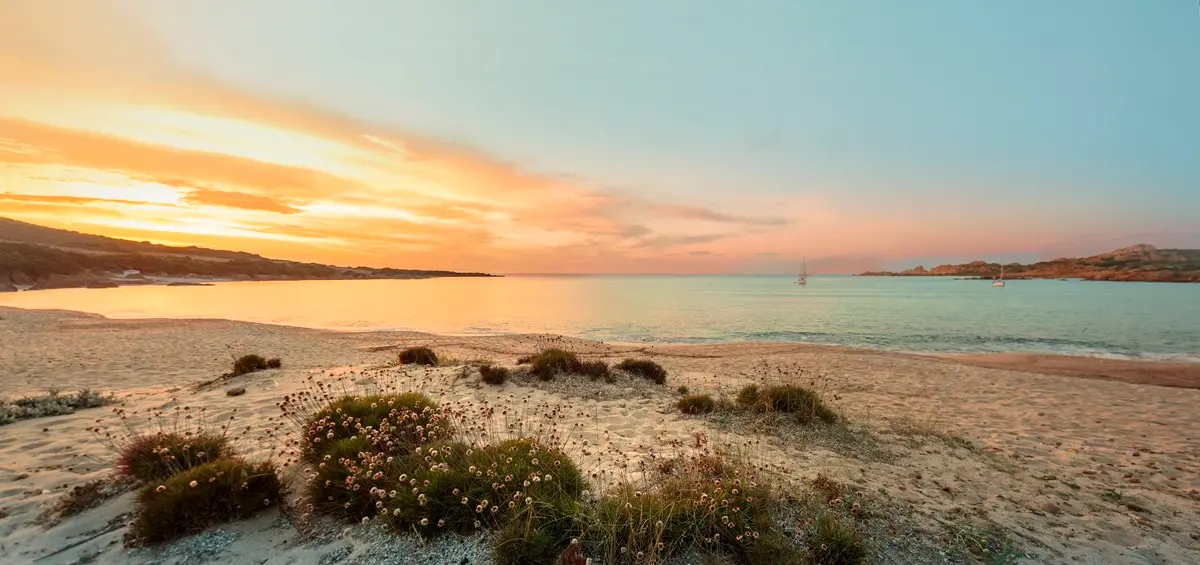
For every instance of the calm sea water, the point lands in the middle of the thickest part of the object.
(906, 314)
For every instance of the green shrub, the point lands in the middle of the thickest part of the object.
(274, 363)
(393, 423)
(156, 456)
(832, 542)
(682, 390)
(451, 486)
(644, 368)
(418, 356)
(344, 484)
(493, 375)
(550, 363)
(697, 404)
(533, 541)
(213, 493)
(249, 364)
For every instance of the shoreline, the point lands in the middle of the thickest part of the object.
(1156, 372)
(1090, 470)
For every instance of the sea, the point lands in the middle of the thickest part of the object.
(913, 314)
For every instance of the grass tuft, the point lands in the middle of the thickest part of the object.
(644, 368)
(697, 404)
(418, 356)
(213, 493)
(833, 542)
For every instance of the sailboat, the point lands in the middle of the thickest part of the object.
(803, 278)
(999, 281)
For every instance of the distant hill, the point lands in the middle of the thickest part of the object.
(39, 257)
(1134, 263)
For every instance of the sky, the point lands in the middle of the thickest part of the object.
(564, 136)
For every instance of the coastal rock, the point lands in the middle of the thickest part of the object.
(236, 391)
(1140, 262)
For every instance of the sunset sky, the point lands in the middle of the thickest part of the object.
(616, 136)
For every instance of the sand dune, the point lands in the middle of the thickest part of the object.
(951, 445)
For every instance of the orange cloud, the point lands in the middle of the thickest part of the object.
(102, 131)
(210, 197)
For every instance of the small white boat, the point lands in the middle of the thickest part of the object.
(999, 281)
(803, 278)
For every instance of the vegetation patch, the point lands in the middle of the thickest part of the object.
(157, 456)
(213, 493)
(392, 423)
(51, 404)
(833, 542)
(493, 375)
(697, 404)
(703, 502)
(247, 364)
(550, 363)
(645, 369)
(82, 498)
(418, 356)
(804, 404)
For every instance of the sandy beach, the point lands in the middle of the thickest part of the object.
(1077, 460)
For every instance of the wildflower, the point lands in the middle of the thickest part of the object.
(424, 521)
(366, 519)
(193, 484)
(160, 488)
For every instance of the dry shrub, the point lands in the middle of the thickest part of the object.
(493, 375)
(595, 370)
(274, 363)
(697, 404)
(213, 493)
(82, 498)
(156, 456)
(249, 363)
(418, 356)
(550, 363)
(645, 369)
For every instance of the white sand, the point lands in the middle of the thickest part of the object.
(1046, 447)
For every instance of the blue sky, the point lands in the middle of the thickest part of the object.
(1063, 126)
